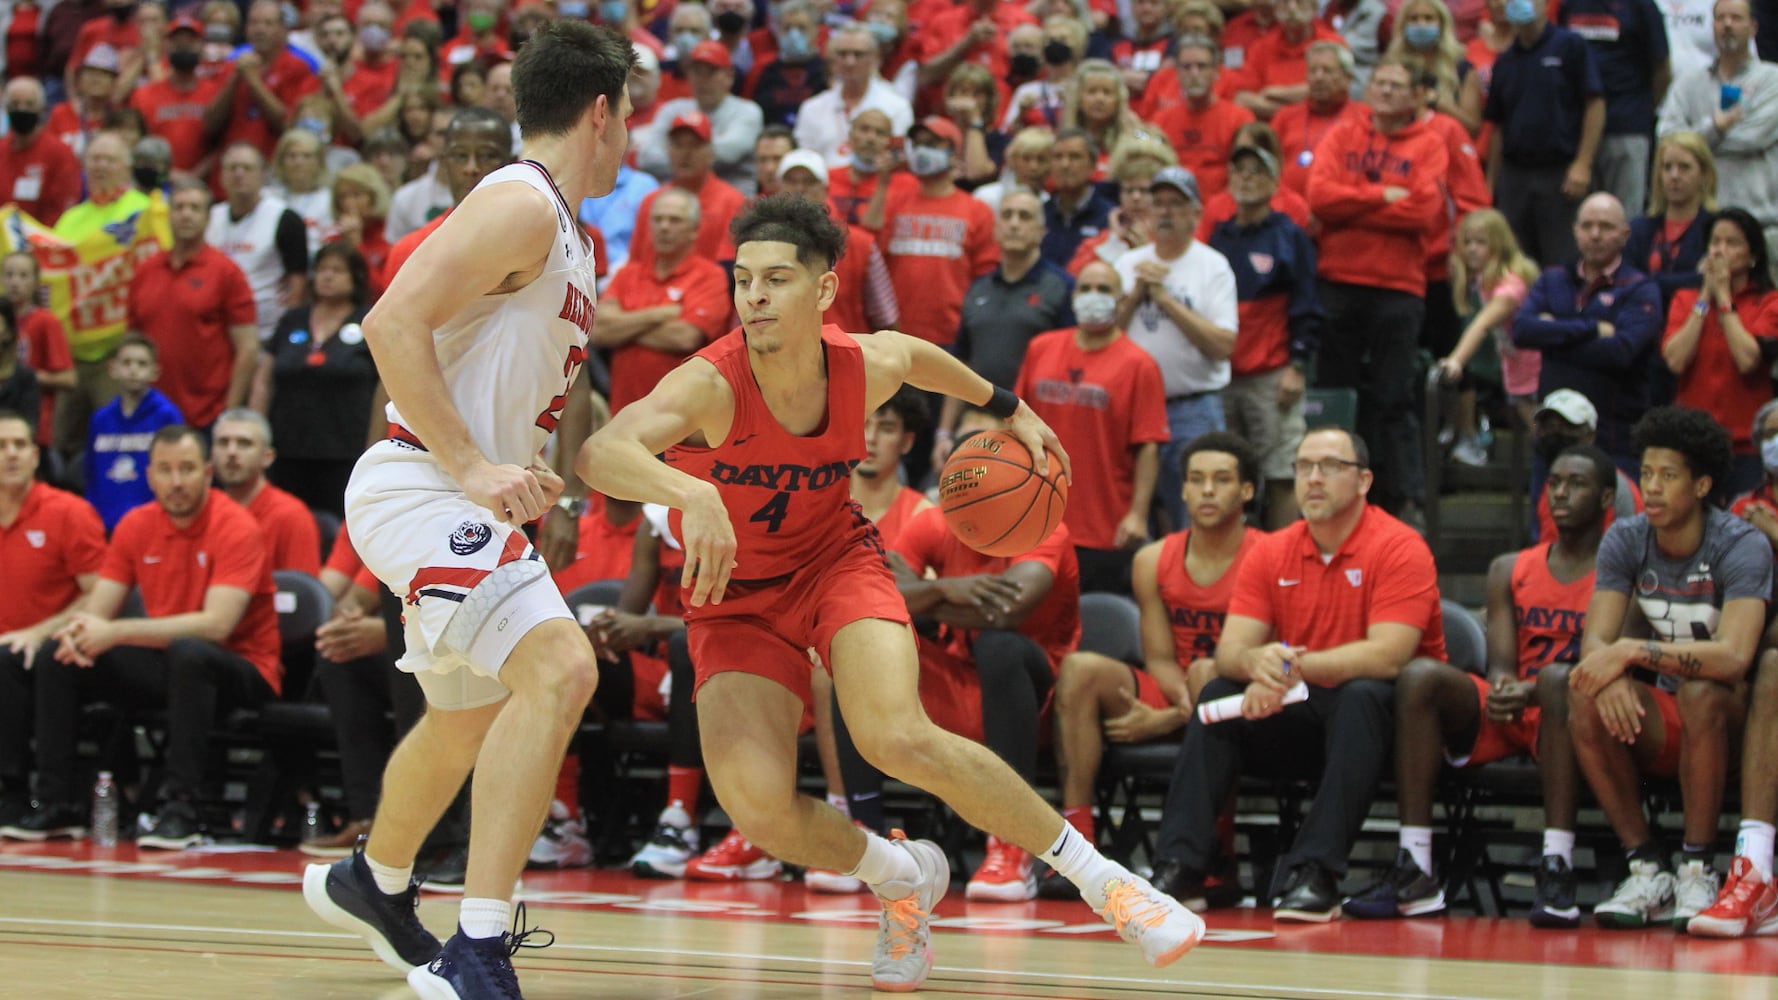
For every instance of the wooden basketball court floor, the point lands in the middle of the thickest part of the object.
(86, 923)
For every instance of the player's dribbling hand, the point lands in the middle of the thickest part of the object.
(709, 548)
(1039, 440)
(512, 493)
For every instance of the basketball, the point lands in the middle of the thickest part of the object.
(993, 499)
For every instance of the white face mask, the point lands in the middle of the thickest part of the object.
(1768, 455)
(1094, 309)
(926, 161)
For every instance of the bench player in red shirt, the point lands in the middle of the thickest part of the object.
(1537, 607)
(785, 572)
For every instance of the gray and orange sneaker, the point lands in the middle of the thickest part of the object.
(903, 956)
(1150, 919)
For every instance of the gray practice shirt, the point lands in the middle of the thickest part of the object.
(999, 319)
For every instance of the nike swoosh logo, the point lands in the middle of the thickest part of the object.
(1287, 583)
(151, 560)
(738, 442)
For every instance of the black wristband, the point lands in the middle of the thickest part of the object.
(1002, 404)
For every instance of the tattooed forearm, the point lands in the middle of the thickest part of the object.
(1652, 655)
(1689, 666)
(1677, 664)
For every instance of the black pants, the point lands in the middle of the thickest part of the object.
(1541, 216)
(15, 716)
(319, 483)
(1015, 677)
(1346, 732)
(1105, 570)
(361, 696)
(685, 744)
(1372, 344)
(195, 680)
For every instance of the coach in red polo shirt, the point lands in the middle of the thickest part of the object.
(242, 440)
(208, 641)
(51, 543)
(1341, 600)
(692, 159)
(195, 304)
(655, 313)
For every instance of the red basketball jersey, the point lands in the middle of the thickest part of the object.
(788, 497)
(1550, 614)
(1196, 612)
(896, 517)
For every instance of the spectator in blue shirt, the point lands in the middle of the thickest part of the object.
(120, 432)
(1076, 210)
(1597, 321)
(1548, 108)
(1628, 42)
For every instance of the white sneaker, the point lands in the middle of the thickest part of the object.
(1694, 891)
(666, 853)
(562, 843)
(1471, 452)
(903, 956)
(1644, 898)
(1150, 919)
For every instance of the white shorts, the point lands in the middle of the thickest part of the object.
(472, 587)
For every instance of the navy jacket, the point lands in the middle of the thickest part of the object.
(1678, 266)
(1274, 258)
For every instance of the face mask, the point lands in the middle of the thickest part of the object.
(1024, 65)
(731, 22)
(1421, 36)
(1094, 309)
(1551, 445)
(22, 122)
(794, 46)
(218, 34)
(146, 178)
(314, 125)
(1057, 53)
(885, 33)
(684, 42)
(481, 22)
(122, 14)
(613, 11)
(925, 161)
(860, 165)
(1521, 11)
(1768, 455)
(183, 60)
(576, 10)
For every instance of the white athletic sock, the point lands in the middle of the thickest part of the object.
(675, 815)
(485, 918)
(1754, 842)
(1417, 841)
(1559, 843)
(1075, 859)
(839, 802)
(884, 862)
(390, 880)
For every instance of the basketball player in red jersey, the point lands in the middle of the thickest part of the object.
(1537, 608)
(479, 339)
(1182, 584)
(889, 435)
(761, 430)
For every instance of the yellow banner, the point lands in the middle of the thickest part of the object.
(89, 279)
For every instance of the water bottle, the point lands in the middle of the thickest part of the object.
(312, 830)
(105, 811)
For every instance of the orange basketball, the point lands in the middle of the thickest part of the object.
(994, 501)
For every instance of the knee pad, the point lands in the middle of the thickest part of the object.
(490, 605)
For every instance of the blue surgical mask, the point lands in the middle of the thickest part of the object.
(860, 165)
(1094, 309)
(613, 11)
(1768, 455)
(684, 42)
(885, 33)
(794, 46)
(926, 161)
(314, 125)
(1423, 36)
(574, 10)
(1521, 11)
(374, 37)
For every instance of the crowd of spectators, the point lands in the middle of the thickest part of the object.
(1159, 221)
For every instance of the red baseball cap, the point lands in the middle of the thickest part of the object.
(713, 54)
(185, 22)
(697, 121)
(944, 128)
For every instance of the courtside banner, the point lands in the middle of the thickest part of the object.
(89, 279)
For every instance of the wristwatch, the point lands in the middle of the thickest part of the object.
(573, 506)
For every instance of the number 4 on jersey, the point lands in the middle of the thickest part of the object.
(773, 513)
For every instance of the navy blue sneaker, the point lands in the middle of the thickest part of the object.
(477, 968)
(345, 895)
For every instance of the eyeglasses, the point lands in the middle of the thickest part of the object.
(1327, 467)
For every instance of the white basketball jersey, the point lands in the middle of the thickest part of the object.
(509, 359)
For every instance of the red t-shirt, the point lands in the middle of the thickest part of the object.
(926, 543)
(174, 567)
(1550, 615)
(905, 505)
(65, 123)
(1195, 612)
(187, 311)
(1203, 139)
(45, 347)
(604, 549)
(943, 31)
(286, 76)
(1102, 404)
(103, 30)
(177, 116)
(698, 285)
(42, 178)
(853, 270)
(56, 538)
(1145, 57)
(1761, 495)
(1711, 383)
(405, 247)
(1275, 61)
(1300, 132)
(371, 83)
(935, 248)
(848, 192)
(292, 539)
(1383, 572)
(718, 204)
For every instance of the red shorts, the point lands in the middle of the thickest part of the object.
(779, 629)
(1499, 740)
(1148, 691)
(648, 673)
(1667, 764)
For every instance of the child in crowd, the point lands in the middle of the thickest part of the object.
(1489, 278)
(118, 438)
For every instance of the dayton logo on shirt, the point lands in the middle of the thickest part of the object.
(1379, 163)
(36, 538)
(1089, 395)
(1355, 577)
(789, 478)
(928, 236)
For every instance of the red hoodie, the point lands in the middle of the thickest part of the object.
(1465, 191)
(1365, 240)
